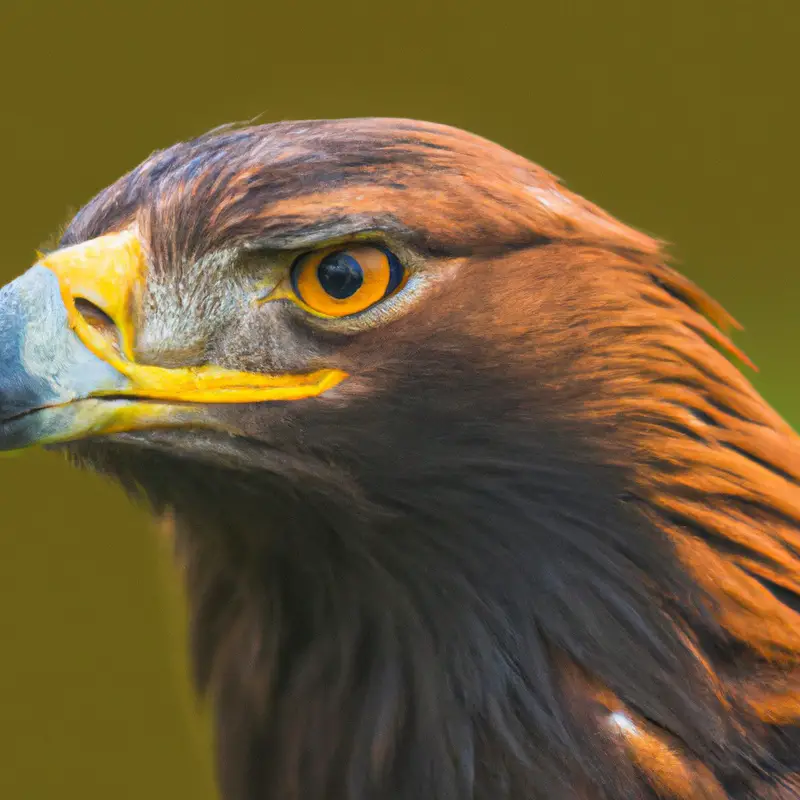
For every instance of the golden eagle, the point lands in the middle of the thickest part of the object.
(471, 500)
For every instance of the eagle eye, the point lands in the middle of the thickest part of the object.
(338, 282)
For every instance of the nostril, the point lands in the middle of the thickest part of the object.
(98, 319)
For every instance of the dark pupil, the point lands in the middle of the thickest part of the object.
(340, 275)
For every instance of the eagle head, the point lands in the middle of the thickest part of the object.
(471, 499)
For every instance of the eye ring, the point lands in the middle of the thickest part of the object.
(342, 281)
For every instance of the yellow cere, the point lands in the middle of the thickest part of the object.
(110, 272)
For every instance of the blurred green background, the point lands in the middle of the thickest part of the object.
(679, 117)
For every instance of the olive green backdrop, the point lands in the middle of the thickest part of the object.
(680, 117)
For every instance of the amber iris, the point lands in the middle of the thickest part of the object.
(343, 281)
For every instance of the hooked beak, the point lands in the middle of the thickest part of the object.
(67, 355)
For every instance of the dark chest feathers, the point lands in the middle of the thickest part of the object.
(524, 638)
